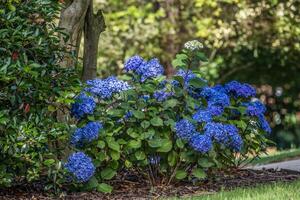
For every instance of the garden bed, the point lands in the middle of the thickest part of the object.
(129, 186)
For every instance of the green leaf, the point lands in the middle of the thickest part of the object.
(179, 143)
(115, 112)
(155, 143)
(148, 134)
(140, 155)
(197, 82)
(171, 103)
(172, 157)
(145, 124)
(156, 121)
(180, 174)
(166, 146)
(128, 164)
(134, 144)
(201, 56)
(108, 173)
(115, 155)
(49, 162)
(138, 114)
(105, 188)
(131, 132)
(199, 173)
(113, 145)
(205, 163)
(100, 144)
(91, 184)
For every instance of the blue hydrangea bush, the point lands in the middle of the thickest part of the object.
(166, 129)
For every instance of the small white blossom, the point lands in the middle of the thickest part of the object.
(193, 45)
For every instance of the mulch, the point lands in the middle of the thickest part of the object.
(130, 187)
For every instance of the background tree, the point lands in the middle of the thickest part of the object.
(77, 17)
(255, 41)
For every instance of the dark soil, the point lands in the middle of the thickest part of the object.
(131, 187)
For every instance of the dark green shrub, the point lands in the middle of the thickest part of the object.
(32, 88)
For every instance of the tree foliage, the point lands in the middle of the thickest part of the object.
(252, 41)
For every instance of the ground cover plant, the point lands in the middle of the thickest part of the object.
(164, 128)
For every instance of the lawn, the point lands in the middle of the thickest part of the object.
(275, 191)
(277, 156)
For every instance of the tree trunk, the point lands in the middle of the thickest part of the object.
(72, 21)
(94, 25)
(170, 41)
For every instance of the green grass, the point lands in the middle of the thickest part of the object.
(275, 191)
(277, 157)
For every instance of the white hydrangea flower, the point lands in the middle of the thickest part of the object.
(193, 45)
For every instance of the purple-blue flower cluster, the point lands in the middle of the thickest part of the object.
(257, 109)
(88, 133)
(187, 75)
(146, 69)
(225, 134)
(238, 89)
(107, 87)
(83, 105)
(80, 166)
(201, 143)
(202, 115)
(185, 129)
(162, 95)
(133, 63)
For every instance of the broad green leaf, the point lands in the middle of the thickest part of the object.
(171, 103)
(138, 114)
(49, 162)
(108, 173)
(139, 155)
(166, 146)
(156, 121)
(205, 163)
(113, 145)
(105, 188)
(134, 144)
(145, 124)
(199, 173)
(180, 174)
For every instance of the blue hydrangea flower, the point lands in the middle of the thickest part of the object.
(215, 110)
(154, 160)
(133, 63)
(187, 75)
(202, 115)
(87, 133)
(162, 95)
(83, 105)
(255, 108)
(219, 88)
(150, 69)
(215, 130)
(264, 124)
(238, 89)
(201, 143)
(215, 97)
(235, 141)
(80, 166)
(107, 87)
(146, 97)
(184, 129)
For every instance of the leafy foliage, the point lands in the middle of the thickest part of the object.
(250, 41)
(33, 87)
(160, 138)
